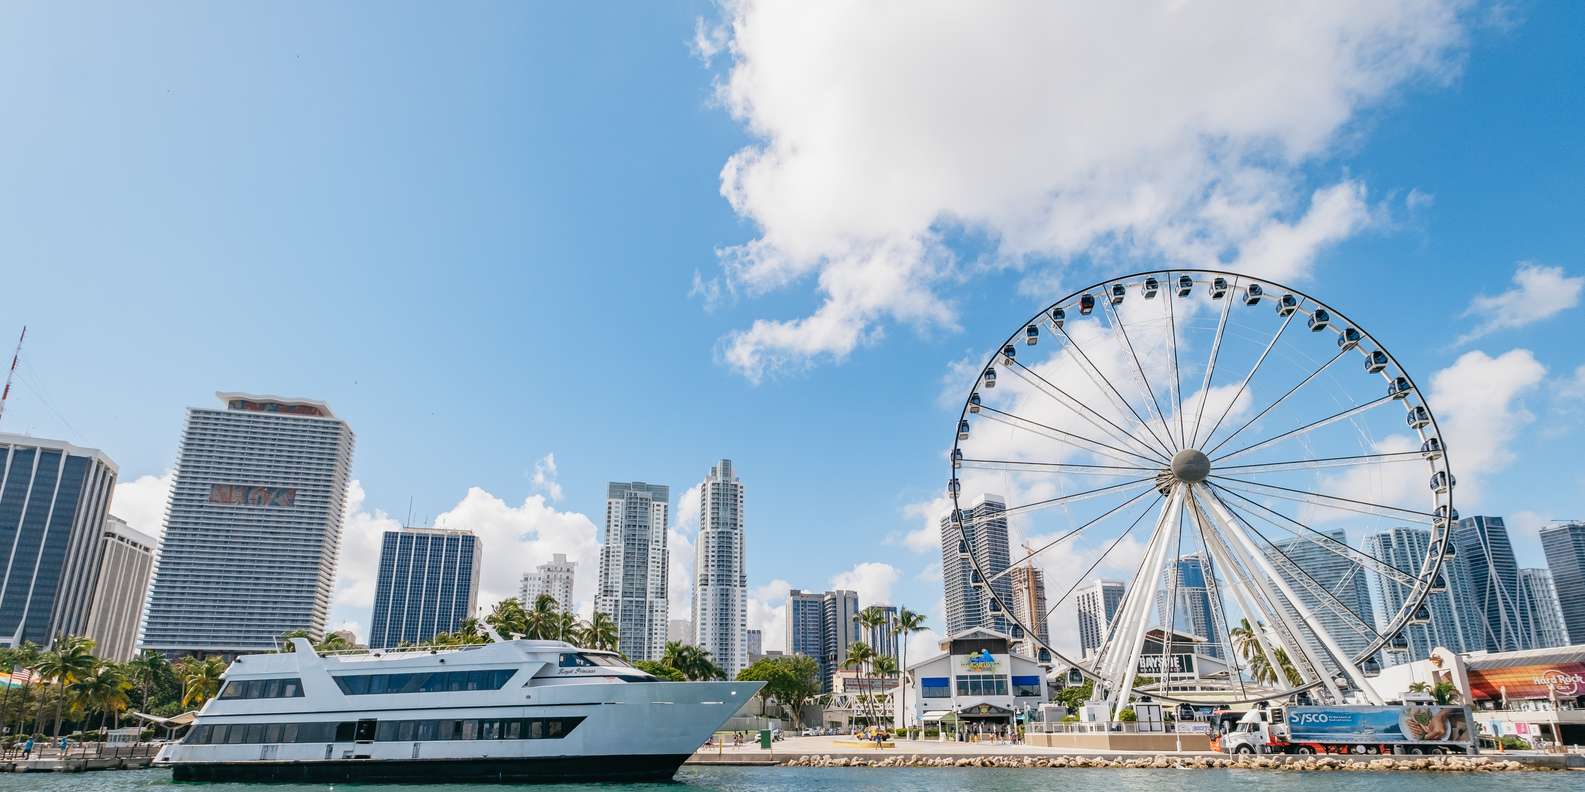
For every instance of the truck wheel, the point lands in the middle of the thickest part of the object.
(1244, 749)
(1304, 750)
(1417, 751)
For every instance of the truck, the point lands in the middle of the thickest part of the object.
(1351, 729)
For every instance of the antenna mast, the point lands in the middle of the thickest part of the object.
(11, 373)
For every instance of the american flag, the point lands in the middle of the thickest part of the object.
(21, 676)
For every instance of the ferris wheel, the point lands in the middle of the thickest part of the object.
(1247, 490)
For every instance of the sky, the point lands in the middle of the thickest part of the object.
(527, 249)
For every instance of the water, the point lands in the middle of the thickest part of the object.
(847, 779)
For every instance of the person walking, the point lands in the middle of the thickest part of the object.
(27, 748)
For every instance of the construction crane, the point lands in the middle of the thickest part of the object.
(12, 372)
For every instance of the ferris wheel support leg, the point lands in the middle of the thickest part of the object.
(1105, 655)
(1250, 602)
(1133, 630)
(1355, 676)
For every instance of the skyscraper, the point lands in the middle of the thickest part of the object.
(984, 536)
(1192, 612)
(839, 628)
(253, 528)
(428, 583)
(633, 564)
(53, 500)
(1546, 615)
(883, 637)
(756, 645)
(1029, 607)
(126, 564)
(805, 631)
(720, 592)
(1487, 557)
(554, 578)
(1453, 619)
(1331, 586)
(1564, 544)
(1097, 605)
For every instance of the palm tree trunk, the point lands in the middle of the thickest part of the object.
(902, 684)
(60, 706)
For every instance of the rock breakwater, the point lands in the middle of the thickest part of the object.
(1447, 764)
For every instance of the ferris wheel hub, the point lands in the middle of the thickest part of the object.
(1191, 466)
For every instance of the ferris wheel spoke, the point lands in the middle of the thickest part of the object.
(1026, 466)
(1253, 602)
(1144, 381)
(1322, 499)
(1061, 500)
(1341, 658)
(1357, 409)
(1324, 462)
(1074, 345)
(1107, 552)
(1068, 438)
(1177, 381)
(1073, 404)
(1305, 579)
(1284, 397)
(1065, 536)
(1328, 543)
(1210, 368)
(1242, 386)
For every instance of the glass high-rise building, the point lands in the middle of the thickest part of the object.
(428, 583)
(883, 637)
(1097, 605)
(839, 627)
(1564, 544)
(633, 565)
(1192, 612)
(54, 498)
(985, 534)
(805, 633)
(126, 565)
(1029, 608)
(720, 592)
(1488, 559)
(253, 526)
(1331, 586)
(1454, 622)
(1546, 614)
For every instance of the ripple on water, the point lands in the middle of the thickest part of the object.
(844, 779)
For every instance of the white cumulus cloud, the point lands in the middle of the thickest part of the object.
(873, 580)
(1538, 293)
(141, 502)
(767, 612)
(883, 131)
(545, 477)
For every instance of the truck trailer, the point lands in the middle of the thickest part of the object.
(1348, 729)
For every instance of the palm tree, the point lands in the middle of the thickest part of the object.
(885, 667)
(907, 622)
(601, 633)
(859, 655)
(102, 690)
(71, 659)
(1443, 692)
(509, 619)
(144, 670)
(200, 679)
(542, 618)
(694, 662)
(871, 619)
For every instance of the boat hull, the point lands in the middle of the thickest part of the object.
(527, 770)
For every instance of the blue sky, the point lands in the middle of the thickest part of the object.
(489, 235)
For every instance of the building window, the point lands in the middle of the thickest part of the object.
(982, 685)
(935, 687)
(1026, 686)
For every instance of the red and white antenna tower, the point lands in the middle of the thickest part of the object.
(12, 372)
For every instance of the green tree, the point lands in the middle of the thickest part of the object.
(144, 671)
(70, 659)
(790, 680)
(510, 620)
(693, 661)
(907, 622)
(1074, 696)
(543, 618)
(200, 679)
(600, 633)
(1443, 692)
(659, 670)
(860, 655)
(102, 690)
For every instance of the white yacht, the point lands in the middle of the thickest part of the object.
(517, 711)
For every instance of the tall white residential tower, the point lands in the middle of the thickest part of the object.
(633, 564)
(253, 529)
(554, 578)
(720, 592)
(126, 564)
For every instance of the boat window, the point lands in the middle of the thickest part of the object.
(437, 682)
(386, 731)
(572, 660)
(279, 687)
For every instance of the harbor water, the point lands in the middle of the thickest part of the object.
(796, 779)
